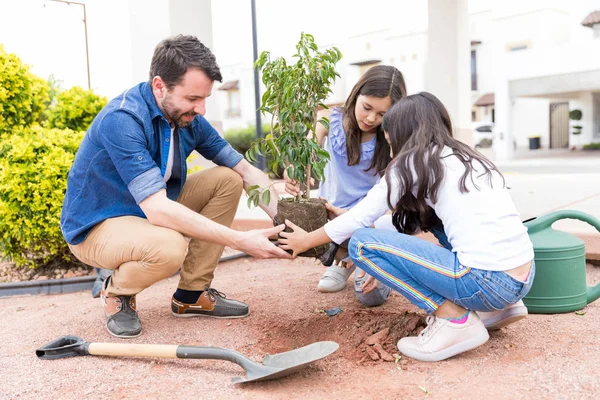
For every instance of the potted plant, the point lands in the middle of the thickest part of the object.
(294, 93)
(576, 115)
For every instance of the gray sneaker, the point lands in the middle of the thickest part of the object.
(374, 298)
(122, 319)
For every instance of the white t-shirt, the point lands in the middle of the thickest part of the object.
(169, 168)
(482, 225)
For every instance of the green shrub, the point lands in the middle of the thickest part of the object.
(23, 96)
(34, 164)
(591, 146)
(74, 109)
(241, 139)
(575, 115)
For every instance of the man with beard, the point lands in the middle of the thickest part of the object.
(130, 206)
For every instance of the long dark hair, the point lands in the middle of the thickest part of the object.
(174, 56)
(379, 81)
(419, 129)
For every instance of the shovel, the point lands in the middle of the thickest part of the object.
(273, 366)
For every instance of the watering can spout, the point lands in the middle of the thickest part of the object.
(559, 284)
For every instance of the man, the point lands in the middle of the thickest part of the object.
(130, 208)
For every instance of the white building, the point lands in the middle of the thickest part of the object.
(528, 63)
(531, 62)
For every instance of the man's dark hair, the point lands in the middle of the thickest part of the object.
(174, 56)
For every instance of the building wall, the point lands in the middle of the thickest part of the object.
(531, 117)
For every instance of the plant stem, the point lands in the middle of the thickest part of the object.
(307, 182)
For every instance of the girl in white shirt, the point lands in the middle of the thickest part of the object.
(436, 183)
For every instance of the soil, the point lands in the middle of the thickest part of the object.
(543, 356)
(308, 214)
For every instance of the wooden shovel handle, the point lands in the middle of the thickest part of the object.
(133, 350)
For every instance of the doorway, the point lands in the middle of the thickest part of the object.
(559, 125)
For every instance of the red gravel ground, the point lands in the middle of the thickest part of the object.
(542, 357)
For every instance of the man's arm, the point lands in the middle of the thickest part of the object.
(253, 176)
(162, 211)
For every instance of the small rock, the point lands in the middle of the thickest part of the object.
(41, 278)
(385, 356)
(70, 274)
(372, 354)
(378, 337)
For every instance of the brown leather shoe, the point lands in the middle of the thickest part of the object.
(122, 319)
(211, 303)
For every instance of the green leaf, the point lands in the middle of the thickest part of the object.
(266, 197)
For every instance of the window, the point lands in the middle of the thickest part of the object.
(233, 97)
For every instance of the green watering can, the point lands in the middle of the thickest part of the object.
(559, 285)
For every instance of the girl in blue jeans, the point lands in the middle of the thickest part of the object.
(436, 183)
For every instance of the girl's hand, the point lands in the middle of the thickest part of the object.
(294, 240)
(370, 284)
(292, 187)
(333, 211)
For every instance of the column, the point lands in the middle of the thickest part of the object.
(447, 67)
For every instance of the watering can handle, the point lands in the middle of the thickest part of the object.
(547, 220)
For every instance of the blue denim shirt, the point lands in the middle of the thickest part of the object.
(122, 161)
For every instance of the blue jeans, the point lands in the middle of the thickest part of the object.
(428, 275)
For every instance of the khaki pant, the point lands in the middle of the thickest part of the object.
(141, 254)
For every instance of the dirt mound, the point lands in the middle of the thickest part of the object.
(363, 334)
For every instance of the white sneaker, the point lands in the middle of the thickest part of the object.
(334, 279)
(443, 339)
(494, 320)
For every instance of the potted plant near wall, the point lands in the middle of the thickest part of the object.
(294, 93)
(575, 116)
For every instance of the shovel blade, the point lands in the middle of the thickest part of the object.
(282, 364)
(66, 346)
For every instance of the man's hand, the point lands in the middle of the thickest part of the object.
(256, 243)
